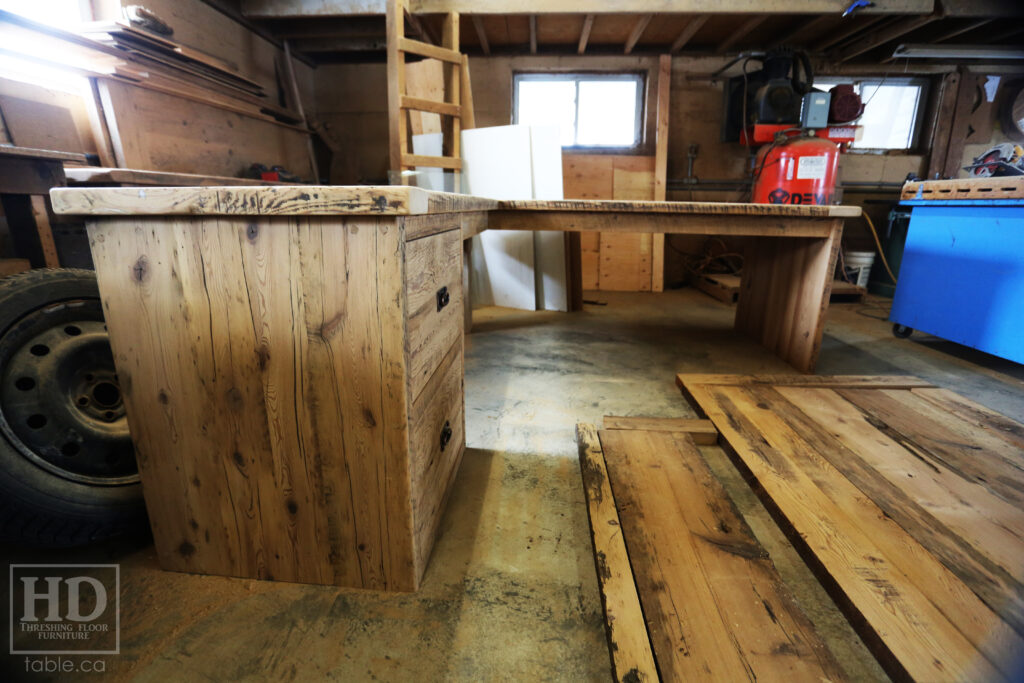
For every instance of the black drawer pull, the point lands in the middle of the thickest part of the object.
(446, 434)
(442, 298)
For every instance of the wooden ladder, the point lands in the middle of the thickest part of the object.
(399, 102)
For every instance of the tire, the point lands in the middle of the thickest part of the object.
(67, 468)
(902, 331)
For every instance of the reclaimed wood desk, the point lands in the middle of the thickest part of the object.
(291, 357)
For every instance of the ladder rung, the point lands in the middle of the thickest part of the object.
(421, 104)
(427, 50)
(432, 162)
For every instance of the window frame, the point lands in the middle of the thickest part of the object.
(917, 130)
(640, 77)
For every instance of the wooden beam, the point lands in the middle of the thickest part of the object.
(959, 30)
(268, 9)
(432, 162)
(451, 127)
(289, 70)
(421, 29)
(855, 27)
(468, 113)
(481, 34)
(422, 104)
(533, 34)
(741, 33)
(801, 28)
(588, 26)
(883, 36)
(661, 168)
(397, 126)
(308, 45)
(689, 32)
(638, 30)
(417, 47)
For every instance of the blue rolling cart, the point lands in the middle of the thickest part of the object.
(962, 274)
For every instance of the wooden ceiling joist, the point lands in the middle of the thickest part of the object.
(638, 30)
(297, 8)
(689, 32)
(885, 35)
(803, 28)
(481, 34)
(420, 28)
(533, 34)
(588, 26)
(741, 32)
(960, 30)
(847, 31)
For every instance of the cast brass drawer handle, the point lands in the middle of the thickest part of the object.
(442, 298)
(446, 434)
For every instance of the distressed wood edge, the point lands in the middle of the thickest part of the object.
(701, 430)
(611, 560)
(705, 208)
(683, 380)
(382, 200)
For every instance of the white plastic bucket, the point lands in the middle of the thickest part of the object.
(858, 266)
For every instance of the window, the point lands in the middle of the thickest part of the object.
(591, 110)
(892, 111)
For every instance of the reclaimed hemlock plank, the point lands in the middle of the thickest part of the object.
(264, 370)
(973, 531)
(433, 263)
(702, 432)
(714, 603)
(632, 658)
(876, 492)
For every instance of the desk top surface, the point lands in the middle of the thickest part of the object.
(387, 200)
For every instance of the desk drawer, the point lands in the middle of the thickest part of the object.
(436, 443)
(433, 287)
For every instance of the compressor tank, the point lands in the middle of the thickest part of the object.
(798, 170)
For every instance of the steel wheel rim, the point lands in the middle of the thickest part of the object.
(60, 401)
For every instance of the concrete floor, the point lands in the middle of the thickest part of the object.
(511, 591)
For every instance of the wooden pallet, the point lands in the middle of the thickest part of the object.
(688, 591)
(906, 500)
(965, 188)
(726, 288)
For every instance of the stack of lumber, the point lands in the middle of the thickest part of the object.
(149, 49)
(688, 591)
(167, 66)
(907, 501)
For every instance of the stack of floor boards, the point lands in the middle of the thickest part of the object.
(714, 606)
(906, 499)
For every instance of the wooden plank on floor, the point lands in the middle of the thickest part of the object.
(630, 646)
(967, 525)
(890, 574)
(716, 608)
(832, 381)
(702, 432)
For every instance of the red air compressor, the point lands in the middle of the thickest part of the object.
(796, 170)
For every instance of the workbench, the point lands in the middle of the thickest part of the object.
(291, 357)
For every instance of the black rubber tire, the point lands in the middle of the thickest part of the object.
(902, 331)
(38, 507)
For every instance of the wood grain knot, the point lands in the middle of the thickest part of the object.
(140, 270)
